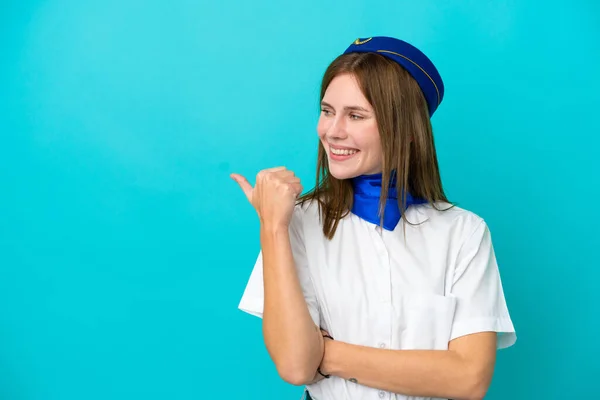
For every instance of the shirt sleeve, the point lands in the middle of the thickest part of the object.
(252, 300)
(477, 287)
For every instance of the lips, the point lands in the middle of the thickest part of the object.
(338, 153)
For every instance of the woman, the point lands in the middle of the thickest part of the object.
(372, 285)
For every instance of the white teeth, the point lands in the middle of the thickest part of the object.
(344, 152)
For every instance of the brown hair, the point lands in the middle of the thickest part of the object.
(405, 132)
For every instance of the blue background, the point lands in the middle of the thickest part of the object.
(125, 246)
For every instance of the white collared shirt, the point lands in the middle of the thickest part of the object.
(417, 289)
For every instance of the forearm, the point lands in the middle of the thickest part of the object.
(294, 342)
(423, 373)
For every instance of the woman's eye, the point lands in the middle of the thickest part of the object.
(355, 116)
(326, 112)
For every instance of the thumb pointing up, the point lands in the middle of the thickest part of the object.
(244, 184)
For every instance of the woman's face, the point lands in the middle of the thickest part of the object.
(348, 130)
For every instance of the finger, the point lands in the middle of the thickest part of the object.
(297, 188)
(279, 173)
(244, 184)
(286, 173)
(275, 169)
(268, 173)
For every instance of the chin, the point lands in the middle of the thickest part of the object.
(343, 173)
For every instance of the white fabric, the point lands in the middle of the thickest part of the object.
(417, 289)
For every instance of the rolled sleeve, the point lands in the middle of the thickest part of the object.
(477, 287)
(252, 300)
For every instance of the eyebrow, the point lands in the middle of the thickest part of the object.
(347, 108)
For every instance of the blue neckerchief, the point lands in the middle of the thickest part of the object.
(367, 189)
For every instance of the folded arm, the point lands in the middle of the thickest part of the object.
(463, 372)
(292, 339)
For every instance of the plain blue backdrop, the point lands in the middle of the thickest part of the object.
(125, 246)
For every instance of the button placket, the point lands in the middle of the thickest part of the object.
(384, 328)
(384, 261)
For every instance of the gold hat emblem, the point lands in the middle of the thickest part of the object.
(359, 41)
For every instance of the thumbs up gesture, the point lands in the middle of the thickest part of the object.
(273, 196)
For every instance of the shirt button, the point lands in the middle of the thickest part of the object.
(382, 345)
(381, 395)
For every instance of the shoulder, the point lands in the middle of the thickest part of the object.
(305, 214)
(306, 210)
(444, 216)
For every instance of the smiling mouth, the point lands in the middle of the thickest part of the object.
(342, 154)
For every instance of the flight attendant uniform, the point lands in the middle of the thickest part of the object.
(398, 286)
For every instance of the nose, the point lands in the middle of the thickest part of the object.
(337, 130)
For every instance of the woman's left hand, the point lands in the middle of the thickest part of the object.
(326, 334)
(325, 362)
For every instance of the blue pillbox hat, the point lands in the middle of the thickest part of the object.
(418, 65)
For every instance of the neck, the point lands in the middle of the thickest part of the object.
(371, 184)
(367, 194)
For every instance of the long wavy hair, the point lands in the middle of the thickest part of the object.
(406, 139)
